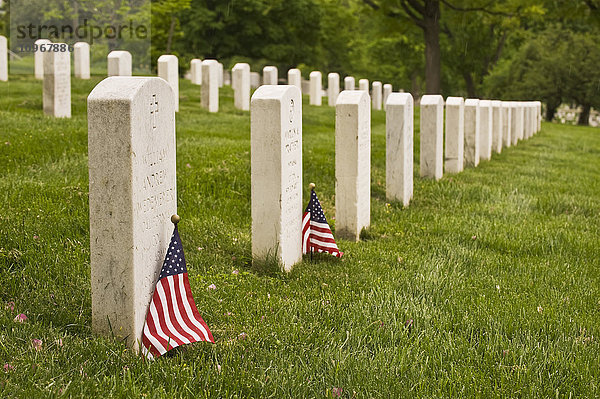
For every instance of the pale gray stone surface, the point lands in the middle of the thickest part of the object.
(455, 135)
(316, 86)
(399, 124)
(539, 116)
(3, 59)
(352, 163)
(270, 75)
(168, 69)
(497, 124)
(119, 63)
(363, 84)
(57, 83)
(132, 195)
(276, 173)
(196, 71)
(295, 78)
(254, 80)
(472, 132)
(227, 78)
(377, 95)
(333, 88)
(485, 130)
(220, 73)
(81, 60)
(305, 86)
(506, 123)
(241, 86)
(432, 137)
(38, 59)
(516, 122)
(387, 90)
(210, 85)
(349, 83)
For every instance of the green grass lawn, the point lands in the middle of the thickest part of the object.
(486, 286)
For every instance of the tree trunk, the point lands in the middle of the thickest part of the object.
(584, 116)
(171, 33)
(433, 58)
(471, 92)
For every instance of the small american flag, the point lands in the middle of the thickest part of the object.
(316, 234)
(172, 317)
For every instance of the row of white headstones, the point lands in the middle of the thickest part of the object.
(132, 169)
(132, 175)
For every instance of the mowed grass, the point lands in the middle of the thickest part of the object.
(486, 286)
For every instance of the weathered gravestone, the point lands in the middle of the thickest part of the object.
(81, 60)
(432, 137)
(455, 135)
(210, 85)
(387, 90)
(119, 63)
(506, 123)
(352, 163)
(363, 84)
(539, 116)
(241, 86)
(516, 124)
(131, 147)
(316, 82)
(377, 95)
(38, 58)
(57, 83)
(254, 80)
(485, 130)
(399, 147)
(276, 174)
(333, 88)
(295, 78)
(3, 59)
(349, 83)
(472, 131)
(269, 75)
(220, 73)
(168, 69)
(196, 71)
(497, 124)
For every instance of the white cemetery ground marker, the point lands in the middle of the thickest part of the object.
(471, 132)
(295, 78)
(270, 75)
(119, 63)
(485, 129)
(131, 147)
(81, 60)
(377, 95)
(387, 90)
(455, 135)
(196, 71)
(497, 124)
(349, 83)
(333, 88)
(38, 58)
(506, 123)
(432, 137)
(352, 163)
(57, 83)
(276, 173)
(254, 80)
(363, 84)
(539, 116)
(210, 85)
(220, 73)
(516, 126)
(399, 147)
(3, 59)
(241, 86)
(168, 69)
(315, 88)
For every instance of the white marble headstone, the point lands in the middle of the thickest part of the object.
(270, 75)
(241, 86)
(81, 60)
(276, 173)
(485, 129)
(119, 63)
(132, 196)
(295, 78)
(316, 83)
(377, 95)
(363, 84)
(387, 90)
(349, 83)
(497, 124)
(471, 132)
(432, 137)
(399, 124)
(168, 69)
(57, 83)
(333, 88)
(455, 135)
(210, 85)
(38, 58)
(506, 123)
(196, 71)
(3, 59)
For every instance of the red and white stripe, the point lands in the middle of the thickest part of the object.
(318, 237)
(173, 318)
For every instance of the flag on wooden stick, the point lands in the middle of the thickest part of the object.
(316, 234)
(172, 317)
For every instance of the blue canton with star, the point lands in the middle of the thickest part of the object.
(174, 261)
(314, 207)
